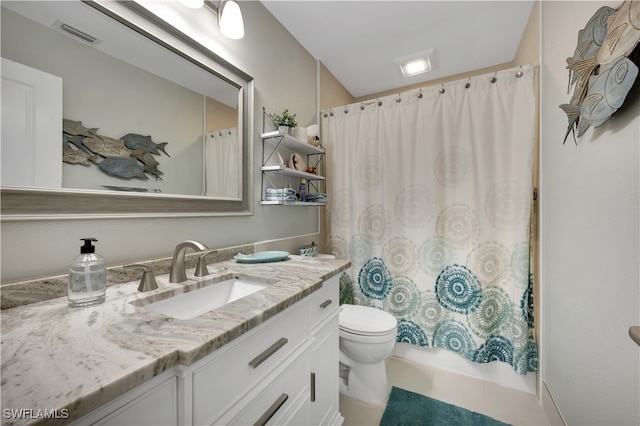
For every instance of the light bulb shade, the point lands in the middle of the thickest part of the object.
(193, 4)
(231, 23)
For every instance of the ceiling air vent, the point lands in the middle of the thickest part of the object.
(76, 33)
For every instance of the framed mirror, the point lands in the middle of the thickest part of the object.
(131, 117)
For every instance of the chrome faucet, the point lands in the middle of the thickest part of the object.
(177, 274)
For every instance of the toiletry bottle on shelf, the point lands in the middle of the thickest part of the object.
(303, 190)
(87, 277)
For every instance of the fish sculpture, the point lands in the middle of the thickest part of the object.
(145, 157)
(144, 143)
(590, 38)
(74, 156)
(75, 128)
(623, 35)
(123, 167)
(606, 94)
(106, 147)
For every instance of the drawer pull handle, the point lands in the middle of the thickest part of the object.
(268, 352)
(313, 387)
(272, 410)
(326, 303)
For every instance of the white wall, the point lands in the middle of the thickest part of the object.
(285, 76)
(590, 238)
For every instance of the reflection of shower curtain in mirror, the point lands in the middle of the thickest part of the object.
(222, 163)
(430, 200)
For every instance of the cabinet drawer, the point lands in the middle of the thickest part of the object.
(324, 301)
(221, 383)
(274, 405)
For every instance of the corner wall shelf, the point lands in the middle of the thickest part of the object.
(277, 148)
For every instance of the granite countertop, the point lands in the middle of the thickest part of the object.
(55, 357)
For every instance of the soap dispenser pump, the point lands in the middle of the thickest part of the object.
(87, 277)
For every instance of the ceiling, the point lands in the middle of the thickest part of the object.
(358, 41)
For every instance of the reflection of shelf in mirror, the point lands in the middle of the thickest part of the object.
(287, 171)
(291, 203)
(293, 143)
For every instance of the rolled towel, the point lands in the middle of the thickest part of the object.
(280, 191)
(280, 198)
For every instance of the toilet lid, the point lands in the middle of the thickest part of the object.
(366, 320)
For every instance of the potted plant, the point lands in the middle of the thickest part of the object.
(284, 121)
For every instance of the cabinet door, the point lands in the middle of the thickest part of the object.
(324, 375)
(153, 403)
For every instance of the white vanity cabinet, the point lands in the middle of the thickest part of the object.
(283, 371)
(154, 403)
(324, 308)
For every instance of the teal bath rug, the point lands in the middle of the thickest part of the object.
(407, 408)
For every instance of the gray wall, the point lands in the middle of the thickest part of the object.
(590, 240)
(285, 76)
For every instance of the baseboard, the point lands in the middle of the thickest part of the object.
(550, 407)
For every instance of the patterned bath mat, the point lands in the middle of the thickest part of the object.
(407, 408)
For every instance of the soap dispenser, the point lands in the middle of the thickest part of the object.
(87, 277)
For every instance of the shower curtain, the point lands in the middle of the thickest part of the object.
(430, 199)
(222, 163)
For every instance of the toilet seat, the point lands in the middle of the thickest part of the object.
(366, 321)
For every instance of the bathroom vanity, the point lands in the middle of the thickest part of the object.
(268, 358)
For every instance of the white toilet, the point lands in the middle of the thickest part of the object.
(367, 337)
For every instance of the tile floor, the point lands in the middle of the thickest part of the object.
(501, 403)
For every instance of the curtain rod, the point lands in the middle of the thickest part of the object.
(442, 86)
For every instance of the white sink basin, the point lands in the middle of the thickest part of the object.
(190, 305)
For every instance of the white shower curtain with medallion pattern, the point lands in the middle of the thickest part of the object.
(430, 199)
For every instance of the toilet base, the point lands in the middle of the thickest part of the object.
(367, 382)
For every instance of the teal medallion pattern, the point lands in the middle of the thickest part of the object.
(410, 332)
(403, 297)
(493, 312)
(454, 336)
(495, 348)
(401, 255)
(374, 279)
(434, 254)
(429, 312)
(458, 289)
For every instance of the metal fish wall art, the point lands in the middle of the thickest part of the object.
(133, 157)
(144, 143)
(590, 38)
(606, 94)
(123, 167)
(604, 75)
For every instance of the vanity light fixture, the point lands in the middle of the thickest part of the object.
(229, 18)
(417, 63)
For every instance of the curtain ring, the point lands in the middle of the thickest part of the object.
(519, 73)
(398, 99)
(494, 78)
(468, 84)
(325, 115)
(346, 110)
(362, 106)
(379, 102)
(420, 94)
(442, 89)
(331, 113)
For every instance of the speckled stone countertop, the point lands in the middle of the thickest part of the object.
(55, 357)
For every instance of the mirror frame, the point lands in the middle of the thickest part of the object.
(18, 203)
